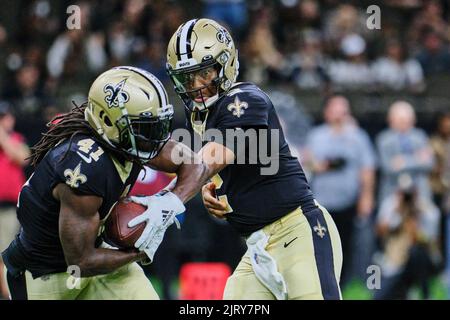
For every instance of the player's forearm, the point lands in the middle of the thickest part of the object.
(103, 261)
(190, 179)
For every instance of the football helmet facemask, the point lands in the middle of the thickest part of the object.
(128, 107)
(198, 47)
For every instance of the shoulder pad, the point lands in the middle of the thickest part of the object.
(85, 167)
(244, 105)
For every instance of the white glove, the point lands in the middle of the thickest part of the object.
(153, 246)
(160, 214)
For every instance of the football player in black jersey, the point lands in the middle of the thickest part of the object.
(294, 249)
(89, 159)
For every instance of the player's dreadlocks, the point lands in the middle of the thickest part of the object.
(66, 126)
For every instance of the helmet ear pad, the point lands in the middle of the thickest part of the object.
(228, 72)
(101, 122)
(105, 119)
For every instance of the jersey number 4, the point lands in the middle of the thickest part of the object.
(85, 146)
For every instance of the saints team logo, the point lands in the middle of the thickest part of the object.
(237, 107)
(114, 93)
(223, 36)
(319, 229)
(74, 177)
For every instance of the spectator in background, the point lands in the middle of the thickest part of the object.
(346, 19)
(39, 21)
(395, 71)
(296, 17)
(120, 42)
(342, 161)
(78, 52)
(26, 91)
(28, 97)
(309, 13)
(429, 18)
(13, 152)
(308, 63)
(353, 71)
(3, 35)
(262, 58)
(404, 4)
(3, 51)
(232, 13)
(404, 149)
(173, 18)
(440, 176)
(133, 12)
(153, 60)
(434, 56)
(408, 226)
(440, 143)
(125, 36)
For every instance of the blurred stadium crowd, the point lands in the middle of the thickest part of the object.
(380, 165)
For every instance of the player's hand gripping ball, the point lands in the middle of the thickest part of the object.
(117, 232)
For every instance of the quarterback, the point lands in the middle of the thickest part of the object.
(89, 159)
(294, 249)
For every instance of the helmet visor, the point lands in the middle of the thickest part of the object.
(149, 133)
(190, 81)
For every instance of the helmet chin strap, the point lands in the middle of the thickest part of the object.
(211, 100)
(206, 104)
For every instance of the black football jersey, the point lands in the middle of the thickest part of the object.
(88, 170)
(255, 199)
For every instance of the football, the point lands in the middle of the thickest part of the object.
(117, 232)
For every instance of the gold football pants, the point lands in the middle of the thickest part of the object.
(308, 254)
(126, 283)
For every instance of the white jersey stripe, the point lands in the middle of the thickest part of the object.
(162, 93)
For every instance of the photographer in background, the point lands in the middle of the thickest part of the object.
(341, 159)
(408, 227)
(13, 152)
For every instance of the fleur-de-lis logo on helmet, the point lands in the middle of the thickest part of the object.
(113, 92)
(75, 177)
(223, 36)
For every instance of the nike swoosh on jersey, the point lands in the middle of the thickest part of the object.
(88, 160)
